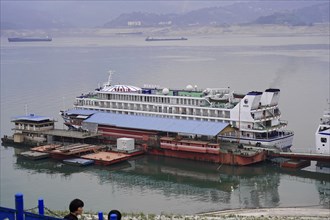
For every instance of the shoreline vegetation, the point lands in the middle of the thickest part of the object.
(294, 213)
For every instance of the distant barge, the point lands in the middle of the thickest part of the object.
(165, 39)
(28, 39)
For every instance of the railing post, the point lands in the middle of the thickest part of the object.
(100, 215)
(19, 206)
(41, 207)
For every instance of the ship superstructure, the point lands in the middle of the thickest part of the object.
(322, 135)
(255, 116)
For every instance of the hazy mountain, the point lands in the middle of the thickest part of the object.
(61, 14)
(56, 14)
(314, 14)
(263, 12)
(304, 16)
(287, 18)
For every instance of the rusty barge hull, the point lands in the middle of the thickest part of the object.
(221, 158)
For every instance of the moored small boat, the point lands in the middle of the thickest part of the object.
(78, 162)
(34, 155)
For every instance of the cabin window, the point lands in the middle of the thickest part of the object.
(323, 140)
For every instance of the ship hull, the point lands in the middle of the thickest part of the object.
(284, 142)
(165, 39)
(221, 158)
(17, 39)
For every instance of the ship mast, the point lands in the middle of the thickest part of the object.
(109, 78)
(239, 121)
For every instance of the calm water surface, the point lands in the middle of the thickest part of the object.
(44, 78)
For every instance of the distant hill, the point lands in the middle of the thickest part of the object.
(287, 18)
(305, 16)
(238, 13)
(71, 14)
(314, 14)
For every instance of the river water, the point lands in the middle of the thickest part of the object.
(44, 78)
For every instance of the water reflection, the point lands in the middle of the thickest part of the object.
(254, 186)
(233, 187)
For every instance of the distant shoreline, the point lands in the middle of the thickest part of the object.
(257, 30)
(296, 213)
(302, 212)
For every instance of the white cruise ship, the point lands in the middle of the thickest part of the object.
(322, 135)
(255, 115)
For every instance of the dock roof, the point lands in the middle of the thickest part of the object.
(31, 117)
(158, 123)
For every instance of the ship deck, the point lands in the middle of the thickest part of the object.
(46, 148)
(71, 134)
(74, 150)
(106, 158)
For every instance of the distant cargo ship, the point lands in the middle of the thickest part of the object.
(165, 39)
(28, 39)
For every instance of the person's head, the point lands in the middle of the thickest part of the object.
(118, 214)
(76, 206)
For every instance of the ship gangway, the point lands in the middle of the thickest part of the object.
(303, 156)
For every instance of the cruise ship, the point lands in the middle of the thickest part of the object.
(255, 116)
(322, 135)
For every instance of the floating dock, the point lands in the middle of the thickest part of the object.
(109, 157)
(46, 148)
(74, 150)
(34, 155)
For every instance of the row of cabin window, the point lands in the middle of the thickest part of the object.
(154, 99)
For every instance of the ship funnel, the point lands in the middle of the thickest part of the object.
(270, 97)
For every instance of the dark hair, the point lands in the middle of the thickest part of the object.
(75, 204)
(114, 212)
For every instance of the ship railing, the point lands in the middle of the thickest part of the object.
(263, 107)
(265, 118)
(262, 127)
(43, 212)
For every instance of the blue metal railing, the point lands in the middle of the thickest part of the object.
(19, 214)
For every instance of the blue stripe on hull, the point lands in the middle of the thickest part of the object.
(328, 134)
